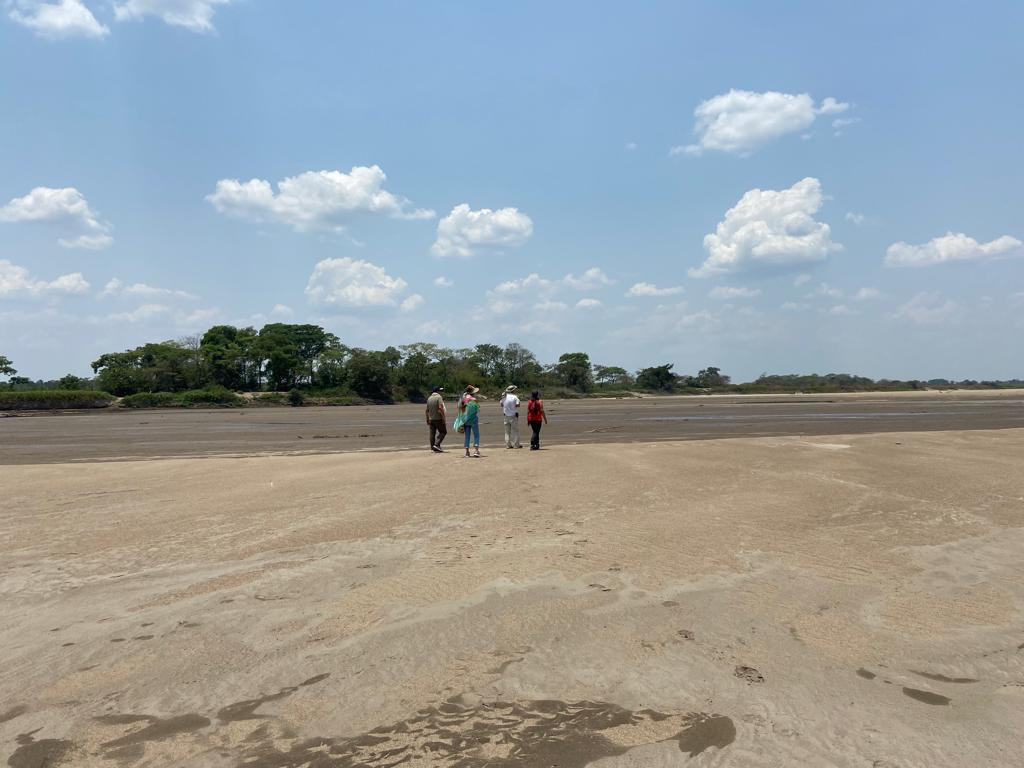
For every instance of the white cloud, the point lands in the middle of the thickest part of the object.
(353, 283)
(824, 289)
(801, 279)
(588, 304)
(928, 309)
(58, 20)
(66, 208)
(866, 294)
(281, 310)
(842, 122)
(196, 15)
(840, 310)
(532, 282)
(650, 289)
(588, 281)
(117, 288)
(434, 328)
(792, 306)
(856, 218)
(314, 199)
(140, 314)
(769, 228)
(463, 232)
(198, 319)
(740, 122)
(16, 282)
(412, 303)
(733, 292)
(950, 247)
(443, 282)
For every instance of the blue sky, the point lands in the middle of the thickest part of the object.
(761, 187)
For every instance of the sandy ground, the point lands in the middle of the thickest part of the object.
(122, 434)
(821, 601)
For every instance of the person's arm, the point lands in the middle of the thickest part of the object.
(544, 413)
(426, 411)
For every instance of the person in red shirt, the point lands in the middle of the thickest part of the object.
(535, 417)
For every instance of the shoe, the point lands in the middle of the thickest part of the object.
(439, 449)
(476, 455)
(519, 446)
(435, 449)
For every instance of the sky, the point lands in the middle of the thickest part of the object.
(764, 187)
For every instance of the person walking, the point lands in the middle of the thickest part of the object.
(469, 410)
(436, 419)
(510, 413)
(535, 416)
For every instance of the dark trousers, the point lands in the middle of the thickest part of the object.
(439, 430)
(535, 439)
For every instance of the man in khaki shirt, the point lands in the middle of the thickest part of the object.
(436, 419)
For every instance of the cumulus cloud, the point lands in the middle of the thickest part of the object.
(588, 281)
(58, 20)
(353, 283)
(550, 306)
(588, 304)
(66, 208)
(412, 303)
(652, 290)
(801, 279)
(951, 247)
(532, 282)
(740, 122)
(729, 292)
(443, 282)
(281, 310)
(314, 199)
(195, 15)
(856, 218)
(866, 294)
(824, 289)
(769, 228)
(16, 282)
(140, 314)
(792, 306)
(841, 310)
(464, 232)
(116, 287)
(927, 308)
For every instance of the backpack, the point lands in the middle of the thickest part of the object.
(534, 409)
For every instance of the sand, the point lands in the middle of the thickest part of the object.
(835, 600)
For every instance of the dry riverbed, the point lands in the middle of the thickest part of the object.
(832, 600)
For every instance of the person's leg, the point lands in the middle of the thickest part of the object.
(442, 432)
(508, 431)
(476, 436)
(535, 437)
(466, 430)
(515, 432)
(537, 432)
(433, 433)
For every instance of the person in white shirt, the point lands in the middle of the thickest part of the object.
(510, 413)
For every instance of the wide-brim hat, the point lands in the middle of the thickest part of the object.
(472, 390)
(511, 388)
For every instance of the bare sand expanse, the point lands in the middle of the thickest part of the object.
(782, 601)
(131, 434)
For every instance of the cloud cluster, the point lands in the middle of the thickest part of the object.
(769, 228)
(588, 281)
(58, 20)
(948, 248)
(650, 290)
(66, 208)
(927, 308)
(314, 199)
(464, 232)
(730, 292)
(116, 287)
(356, 283)
(740, 122)
(195, 15)
(16, 282)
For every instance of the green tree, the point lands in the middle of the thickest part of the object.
(711, 377)
(612, 375)
(370, 375)
(71, 382)
(573, 370)
(658, 378)
(7, 367)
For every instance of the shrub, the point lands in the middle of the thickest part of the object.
(49, 399)
(296, 398)
(150, 400)
(210, 396)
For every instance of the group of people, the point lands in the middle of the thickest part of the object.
(467, 419)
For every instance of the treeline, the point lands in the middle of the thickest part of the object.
(306, 360)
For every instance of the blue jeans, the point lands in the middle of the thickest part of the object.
(474, 427)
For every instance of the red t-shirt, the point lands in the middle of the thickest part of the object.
(535, 410)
